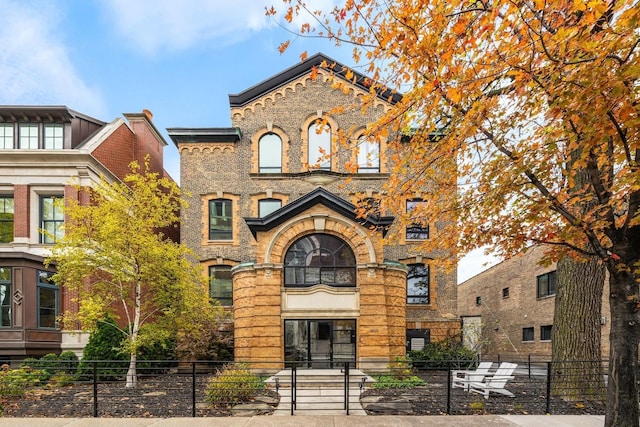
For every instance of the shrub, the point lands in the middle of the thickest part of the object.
(233, 383)
(15, 382)
(105, 344)
(391, 381)
(449, 353)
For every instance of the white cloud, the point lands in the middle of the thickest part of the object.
(35, 67)
(157, 25)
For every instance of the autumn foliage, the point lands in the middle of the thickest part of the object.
(538, 103)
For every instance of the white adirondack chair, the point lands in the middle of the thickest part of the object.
(495, 383)
(462, 378)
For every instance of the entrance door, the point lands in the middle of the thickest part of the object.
(320, 344)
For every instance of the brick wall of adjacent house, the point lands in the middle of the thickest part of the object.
(503, 318)
(117, 151)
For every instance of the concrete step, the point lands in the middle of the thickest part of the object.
(324, 378)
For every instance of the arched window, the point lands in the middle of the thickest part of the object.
(368, 155)
(319, 147)
(270, 153)
(319, 259)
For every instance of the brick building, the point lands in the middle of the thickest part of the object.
(508, 309)
(272, 218)
(44, 151)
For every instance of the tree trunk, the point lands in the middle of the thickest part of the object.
(622, 392)
(576, 334)
(132, 375)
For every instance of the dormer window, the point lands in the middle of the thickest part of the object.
(28, 134)
(6, 136)
(53, 137)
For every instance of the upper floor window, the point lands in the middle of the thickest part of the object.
(48, 304)
(505, 292)
(319, 259)
(418, 284)
(270, 154)
(220, 219)
(6, 219)
(51, 219)
(6, 136)
(319, 146)
(416, 231)
(28, 135)
(220, 284)
(53, 136)
(546, 284)
(545, 332)
(368, 155)
(527, 334)
(267, 206)
(5, 297)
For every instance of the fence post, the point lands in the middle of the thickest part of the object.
(529, 365)
(346, 386)
(548, 408)
(293, 387)
(193, 389)
(95, 389)
(449, 390)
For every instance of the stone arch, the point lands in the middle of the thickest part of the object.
(347, 230)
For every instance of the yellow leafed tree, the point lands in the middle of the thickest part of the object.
(114, 258)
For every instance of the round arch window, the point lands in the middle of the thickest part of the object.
(319, 259)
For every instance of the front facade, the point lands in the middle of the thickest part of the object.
(507, 311)
(273, 219)
(45, 151)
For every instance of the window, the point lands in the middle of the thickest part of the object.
(418, 284)
(5, 297)
(478, 300)
(319, 147)
(51, 219)
(270, 154)
(6, 219)
(53, 137)
(505, 292)
(319, 259)
(416, 231)
(28, 135)
(220, 220)
(220, 284)
(368, 156)
(47, 300)
(527, 334)
(267, 206)
(545, 333)
(547, 284)
(6, 136)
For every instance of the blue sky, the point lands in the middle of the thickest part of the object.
(179, 59)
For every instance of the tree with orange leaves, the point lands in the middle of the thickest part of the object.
(539, 103)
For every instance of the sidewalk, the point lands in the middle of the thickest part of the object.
(320, 421)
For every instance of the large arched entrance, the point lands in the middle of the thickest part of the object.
(320, 260)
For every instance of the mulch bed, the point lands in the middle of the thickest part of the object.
(530, 399)
(170, 395)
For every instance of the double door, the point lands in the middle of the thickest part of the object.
(320, 344)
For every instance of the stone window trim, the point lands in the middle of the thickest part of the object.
(415, 232)
(255, 149)
(433, 291)
(382, 145)
(235, 209)
(304, 136)
(255, 200)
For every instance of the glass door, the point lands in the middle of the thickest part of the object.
(319, 344)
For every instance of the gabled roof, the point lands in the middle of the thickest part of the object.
(321, 196)
(292, 73)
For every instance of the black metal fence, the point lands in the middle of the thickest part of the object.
(221, 388)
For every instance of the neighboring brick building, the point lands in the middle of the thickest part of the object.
(508, 309)
(44, 151)
(280, 240)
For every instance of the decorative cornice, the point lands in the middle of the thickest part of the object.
(207, 147)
